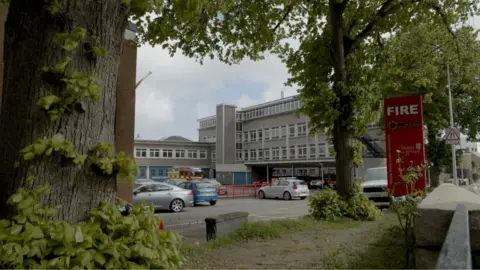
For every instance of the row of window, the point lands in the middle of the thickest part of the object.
(281, 107)
(210, 138)
(170, 153)
(292, 130)
(302, 151)
(315, 172)
(208, 123)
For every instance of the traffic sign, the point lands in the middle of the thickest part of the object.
(453, 136)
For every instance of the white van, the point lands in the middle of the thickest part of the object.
(374, 187)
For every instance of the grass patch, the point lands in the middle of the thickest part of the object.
(386, 253)
(260, 231)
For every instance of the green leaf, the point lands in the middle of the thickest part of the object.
(47, 101)
(37, 233)
(16, 198)
(100, 51)
(57, 142)
(49, 151)
(28, 156)
(69, 233)
(99, 258)
(39, 148)
(62, 65)
(79, 235)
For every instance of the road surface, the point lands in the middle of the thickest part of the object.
(190, 222)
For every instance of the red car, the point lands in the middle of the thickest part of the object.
(221, 190)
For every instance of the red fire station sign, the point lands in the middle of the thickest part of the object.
(404, 138)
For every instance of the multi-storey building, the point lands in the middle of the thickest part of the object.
(154, 157)
(270, 140)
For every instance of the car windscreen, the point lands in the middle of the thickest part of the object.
(299, 183)
(215, 183)
(204, 185)
(137, 185)
(375, 174)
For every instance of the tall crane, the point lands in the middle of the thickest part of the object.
(141, 80)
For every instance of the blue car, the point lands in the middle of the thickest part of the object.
(202, 191)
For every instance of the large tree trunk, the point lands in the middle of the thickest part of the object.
(29, 32)
(435, 172)
(342, 139)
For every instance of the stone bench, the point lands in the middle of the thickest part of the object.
(435, 214)
(224, 224)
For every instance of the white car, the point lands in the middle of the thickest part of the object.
(286, 189)
(374, 187)
(316, 184)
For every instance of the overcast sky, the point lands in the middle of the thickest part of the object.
(180, 90)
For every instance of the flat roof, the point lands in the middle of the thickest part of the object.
(253, 106)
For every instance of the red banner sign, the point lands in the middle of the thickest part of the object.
(404, 139)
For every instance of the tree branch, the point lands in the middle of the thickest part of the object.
(442, 14)
(288, 9)
(385, 9)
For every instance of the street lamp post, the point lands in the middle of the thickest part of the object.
(454, 156)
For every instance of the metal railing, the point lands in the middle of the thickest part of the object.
(456, 251)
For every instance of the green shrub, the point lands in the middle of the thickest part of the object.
(328, 205)
(106, 240)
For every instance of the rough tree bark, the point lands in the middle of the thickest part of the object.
(342, 139)
(29, 32)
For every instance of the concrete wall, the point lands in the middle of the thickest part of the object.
(435, 213)
(206, 132)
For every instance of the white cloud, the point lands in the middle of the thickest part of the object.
(204, 110)
(154, 107)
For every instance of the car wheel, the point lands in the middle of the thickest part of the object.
(303, 198)
(176, 206)
(287, 196)
(261, 195)
(213, 202)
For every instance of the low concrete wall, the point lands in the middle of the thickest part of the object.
(435, 214)
(224, 224)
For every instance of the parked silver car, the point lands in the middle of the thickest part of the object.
(286, 189)
(163, 196)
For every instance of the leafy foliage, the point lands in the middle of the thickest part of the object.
(102, 156)
(107, 240)
(47, 146)
(415, 63)
(407, 210)
(328, 205)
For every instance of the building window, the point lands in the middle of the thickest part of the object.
(302, 129)
(239, 155)
(245, 136)
(292, 152)
(179, 153)
(260, 134)
(245, 155)
(239, 146)
(214, 155)
(155, 153)
(141, 152)
(322, 150)
(283, 131)
(301, 172)
(239, 137)
(253, 154)
(214, 138)
(302, 151)
(260, 154)
(253, 135)
(275, 133)
(331, 150)
(275, 153)
(313, 151)
(267, 134)
(312, 172)
(291, 130)
(267, 153)
(167, 153)
(203, 154)
(192, 154)
(284, 152)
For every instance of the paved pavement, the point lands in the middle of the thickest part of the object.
(190, 222)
